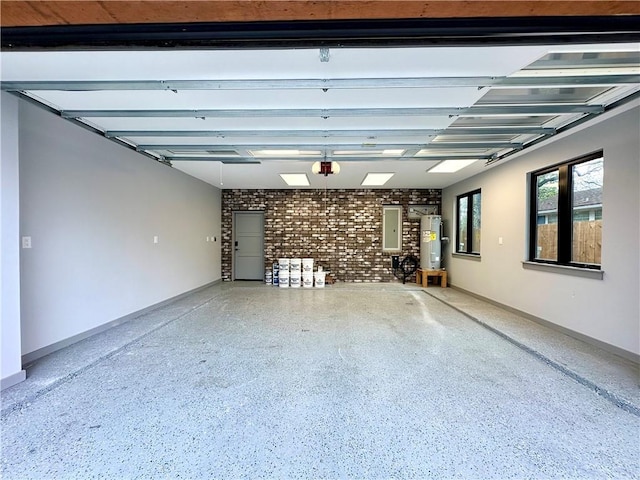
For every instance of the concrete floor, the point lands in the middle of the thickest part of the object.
(353, 381)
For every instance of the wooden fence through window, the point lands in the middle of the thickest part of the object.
(587, 242)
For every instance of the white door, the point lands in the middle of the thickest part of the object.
(248, 241)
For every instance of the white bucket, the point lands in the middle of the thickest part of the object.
(295, 265)
(283, 279)
(283, 264)
(294, 276)
(307, 280)
(319, 278)
(307, 265)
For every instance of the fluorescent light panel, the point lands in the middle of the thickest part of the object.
(450, 166)
(295, 179)
(376, 179)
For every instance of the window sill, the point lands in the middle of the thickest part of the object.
(469, 256)
(564, 269)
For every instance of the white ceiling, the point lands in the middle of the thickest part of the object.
(286, 108)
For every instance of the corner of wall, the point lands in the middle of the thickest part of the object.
(10, 314)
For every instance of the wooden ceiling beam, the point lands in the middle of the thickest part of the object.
(17, 13)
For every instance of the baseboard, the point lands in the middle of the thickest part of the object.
(41, 352)
(627, 355)
(14, 379)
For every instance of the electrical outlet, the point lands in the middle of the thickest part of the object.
(26, 242)
(156, 239)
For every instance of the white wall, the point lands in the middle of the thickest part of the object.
(607, 310)
(11, 364)
(92, 209)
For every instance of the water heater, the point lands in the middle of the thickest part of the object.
(430, 242)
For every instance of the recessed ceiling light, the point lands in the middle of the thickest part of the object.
(295, 179)
(376, 179)
(450, 166)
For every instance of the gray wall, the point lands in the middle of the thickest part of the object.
(607, 310)
(10, 362)
(92, 209)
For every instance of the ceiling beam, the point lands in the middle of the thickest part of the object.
(523, 130)
(252, 84)
(274, 133)
(325, 84)
(225, 160)
(334, 146)
(481, 110)
(467, 31)
(253, 160)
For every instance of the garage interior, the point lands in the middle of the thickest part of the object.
(136, 135)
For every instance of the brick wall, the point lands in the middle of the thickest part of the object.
(340, 229)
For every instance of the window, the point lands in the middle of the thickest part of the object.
(392, 228)
(468, 223)
(566, 213)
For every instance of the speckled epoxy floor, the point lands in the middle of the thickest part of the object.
(353, 381)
